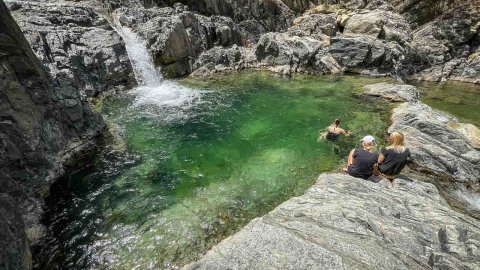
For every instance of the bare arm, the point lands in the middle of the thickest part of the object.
(340, 131)
(350, 158)
(381, 158)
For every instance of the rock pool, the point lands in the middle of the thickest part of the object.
(205, 156)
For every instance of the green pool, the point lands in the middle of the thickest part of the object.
(204, 157)
(457, 98)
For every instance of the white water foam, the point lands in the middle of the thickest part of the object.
(142, 63)
(155, 93)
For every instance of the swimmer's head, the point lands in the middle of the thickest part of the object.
(337, 122)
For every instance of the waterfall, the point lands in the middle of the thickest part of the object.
(153, 89)
(140, 57)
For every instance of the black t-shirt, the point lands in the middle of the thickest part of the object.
(362, 165)
(394, 161)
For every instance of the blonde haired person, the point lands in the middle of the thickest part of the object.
(392, 159)
(361, 160)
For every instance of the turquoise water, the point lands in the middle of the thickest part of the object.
(198, 170)
(457, 98)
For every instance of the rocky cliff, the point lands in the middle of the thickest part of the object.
(45, 123)
(379, 37)
(80, 48)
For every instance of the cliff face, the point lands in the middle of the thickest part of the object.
(415, 38)
(80, 48)
(43, 126)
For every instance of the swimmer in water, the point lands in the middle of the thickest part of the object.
(333, 131)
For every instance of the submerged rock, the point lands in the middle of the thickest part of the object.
(344, 222)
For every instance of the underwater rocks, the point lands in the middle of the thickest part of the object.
(44, 126)
(344, 222)
(80, 49)
(350, 223)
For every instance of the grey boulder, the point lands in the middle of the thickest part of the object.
(349, 223)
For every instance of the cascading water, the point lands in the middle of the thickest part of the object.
(153, 90)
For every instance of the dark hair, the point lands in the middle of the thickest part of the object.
(337, 122)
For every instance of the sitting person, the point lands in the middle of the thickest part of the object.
(333, 131)
(361, 160)
(392, 159)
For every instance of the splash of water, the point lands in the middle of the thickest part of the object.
(155, 95)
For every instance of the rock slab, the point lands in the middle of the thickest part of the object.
(344, 222)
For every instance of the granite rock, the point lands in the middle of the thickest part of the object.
(80, 49)
(392, 92)
(44, 126)
(344, 222)
(434, 137)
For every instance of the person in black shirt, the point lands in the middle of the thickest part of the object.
(392, 159)
(361, 160)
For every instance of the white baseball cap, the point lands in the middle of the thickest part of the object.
(368, 139)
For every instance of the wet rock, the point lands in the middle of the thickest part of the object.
(44, 126)
(392, 92)
(176, 40)
(79, 48)
(349, 223)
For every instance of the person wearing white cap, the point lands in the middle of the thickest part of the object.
(361, 160)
